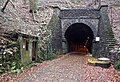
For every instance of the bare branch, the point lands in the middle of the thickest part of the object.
(2, 10)
(12, 4)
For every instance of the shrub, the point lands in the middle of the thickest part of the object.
(10, 59)
(117, 65)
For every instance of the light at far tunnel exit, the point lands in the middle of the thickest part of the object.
(97, 39)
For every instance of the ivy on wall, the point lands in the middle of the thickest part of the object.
(45, 51)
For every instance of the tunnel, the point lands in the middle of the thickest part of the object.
(79, 38)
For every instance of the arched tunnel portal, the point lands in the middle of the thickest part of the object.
(79, 37)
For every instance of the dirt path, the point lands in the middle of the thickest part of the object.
(72, 68)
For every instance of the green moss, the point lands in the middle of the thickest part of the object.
(47, 52)
(52, 22)
(26, 58)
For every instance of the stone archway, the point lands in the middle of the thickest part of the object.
(79, 35)
(92, 23)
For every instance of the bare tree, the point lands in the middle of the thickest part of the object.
(6, 3)
(33, 7)
(2, 10)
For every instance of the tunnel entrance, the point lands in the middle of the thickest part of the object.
(79, 37)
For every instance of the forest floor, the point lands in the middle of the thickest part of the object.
(72, 67)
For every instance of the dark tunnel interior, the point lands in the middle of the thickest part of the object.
(79, 37)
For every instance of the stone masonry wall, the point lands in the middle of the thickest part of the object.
(92, 23)
(99, 26)
(106, 35)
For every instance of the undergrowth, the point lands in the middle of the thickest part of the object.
(10, 60)
(117, 62)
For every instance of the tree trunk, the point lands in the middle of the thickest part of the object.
(33, 6)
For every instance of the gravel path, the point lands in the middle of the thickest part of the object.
(72, 67)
